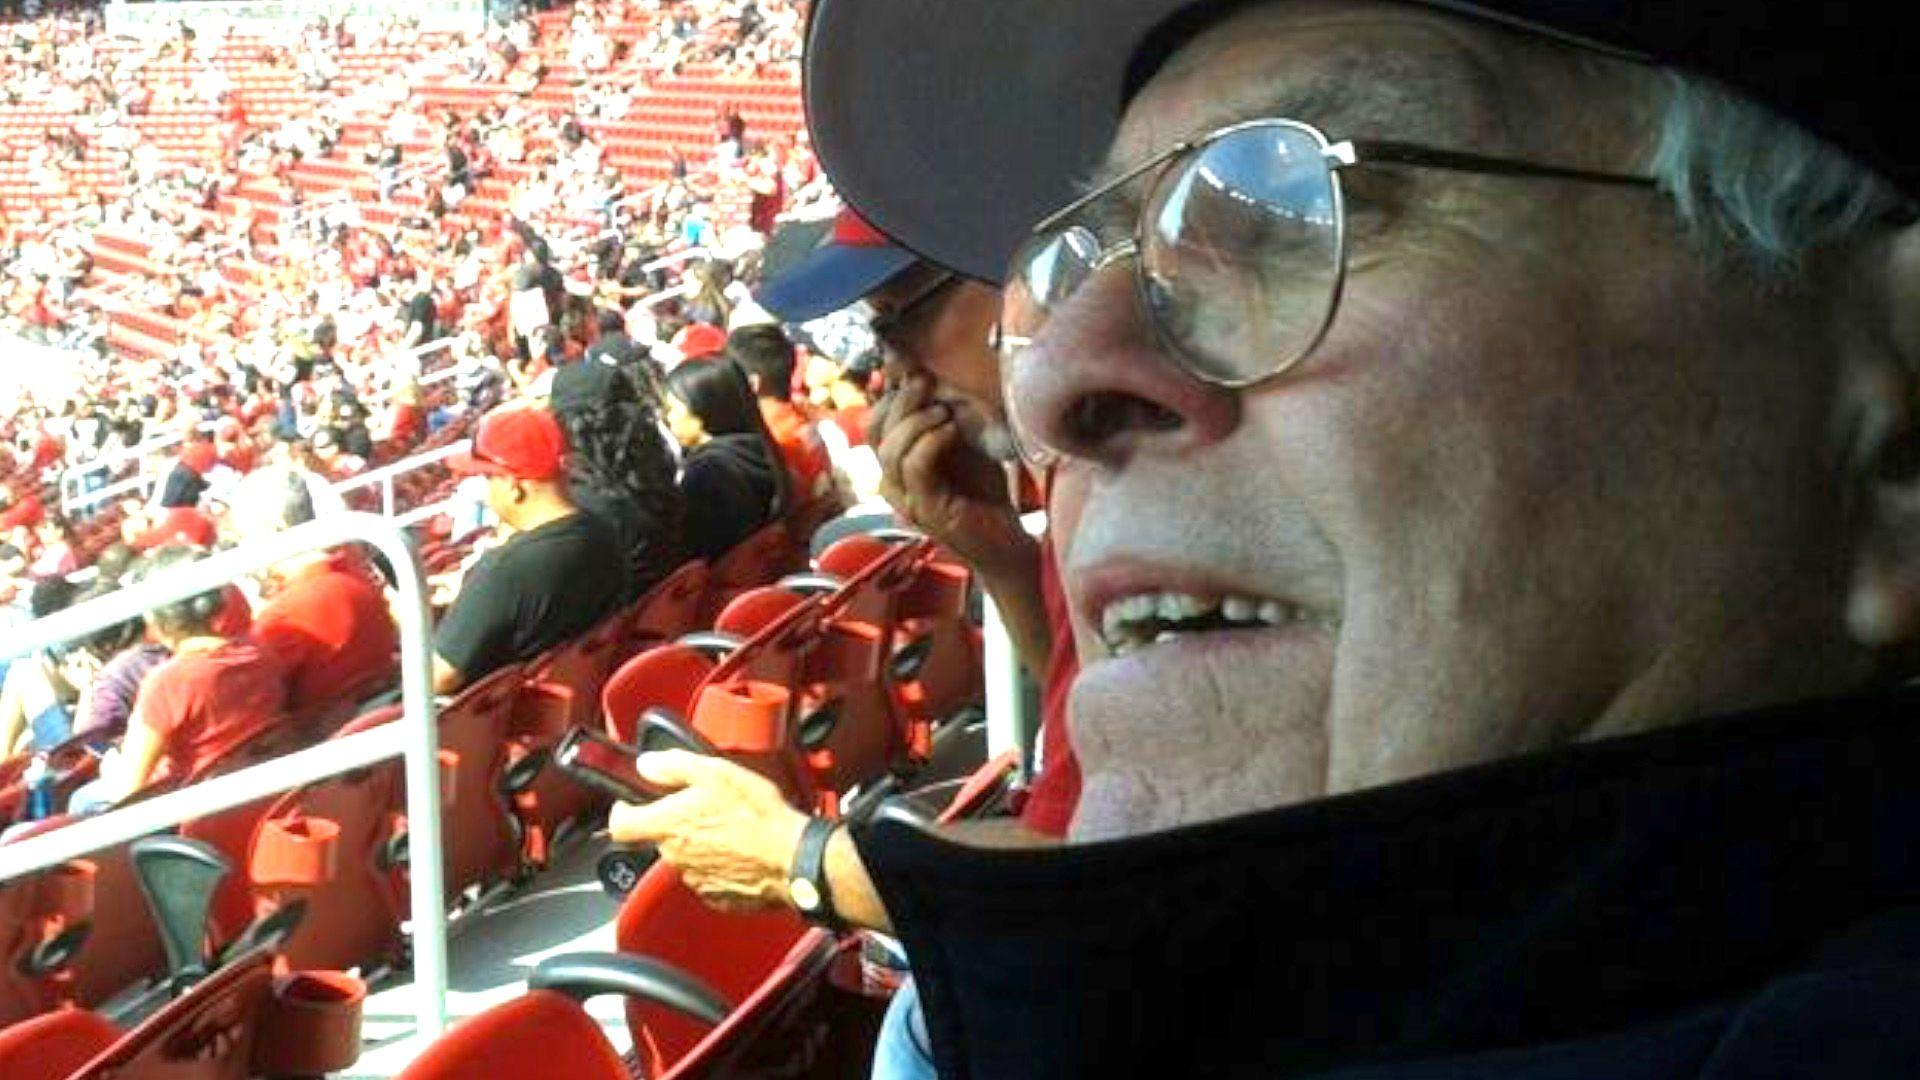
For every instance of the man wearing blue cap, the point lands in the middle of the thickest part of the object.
(942, 439)
(1485, 456)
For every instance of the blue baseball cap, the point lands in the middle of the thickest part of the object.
(850, 260)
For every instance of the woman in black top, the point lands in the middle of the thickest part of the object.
(732, 476)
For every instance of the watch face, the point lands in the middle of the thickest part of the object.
(804, 895)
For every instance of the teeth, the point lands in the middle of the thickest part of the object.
(1176, 606)
(1127, 622)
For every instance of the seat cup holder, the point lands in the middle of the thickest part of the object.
(296, 851)
(311, 1026)
(743, 717)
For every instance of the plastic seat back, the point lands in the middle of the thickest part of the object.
(543, 1035)
(666, 676)
(674, 606)
(51, 1046)
(937, 667)
(45, 919)
(760, 559)
(332, 847)
(480, 833)
(733, 954)
(560, 692)
(243, 1022)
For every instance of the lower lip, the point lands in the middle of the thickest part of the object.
(1213, 646)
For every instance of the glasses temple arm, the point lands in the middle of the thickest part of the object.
(1408, 154)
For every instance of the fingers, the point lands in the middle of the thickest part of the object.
(919, 467)
(905, 432)
(649, 823)
(673, 768)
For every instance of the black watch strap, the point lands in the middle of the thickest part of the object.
(807, 885)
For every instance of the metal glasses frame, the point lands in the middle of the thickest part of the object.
(1346, 154)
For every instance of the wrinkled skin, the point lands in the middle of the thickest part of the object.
(1552, 475)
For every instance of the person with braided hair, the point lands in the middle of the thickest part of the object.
(620, 467)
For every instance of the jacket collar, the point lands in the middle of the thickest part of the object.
(1546, 898)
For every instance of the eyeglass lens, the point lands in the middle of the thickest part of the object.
(1238, 262)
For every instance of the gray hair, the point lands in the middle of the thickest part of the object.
(279, 497)
(1748, 183)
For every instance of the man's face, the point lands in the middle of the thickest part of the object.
(948, 338)
(1546, 477)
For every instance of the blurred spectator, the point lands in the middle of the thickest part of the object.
(216, 693)
(767, 356)
(325, 615)
(619, 466)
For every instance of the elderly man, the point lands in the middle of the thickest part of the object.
(1485, 480)
(326, 615)
(1452, 407)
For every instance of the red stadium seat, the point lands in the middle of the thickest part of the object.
(241, 1022)
(664, 920)
(482, 836)
(543, 1034)
(758, 560)
(674, 606)
(53, 1045)
(664, 677)
(561, 691)
(332, 847)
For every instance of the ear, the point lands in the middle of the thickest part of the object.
(1882, 395)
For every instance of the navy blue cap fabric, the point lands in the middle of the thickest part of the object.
(850, 259)
(954, 147)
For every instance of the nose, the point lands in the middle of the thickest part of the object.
(1098, 384)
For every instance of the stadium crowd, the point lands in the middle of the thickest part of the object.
(628, 401)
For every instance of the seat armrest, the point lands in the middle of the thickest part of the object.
(715, 643)
(588, 975)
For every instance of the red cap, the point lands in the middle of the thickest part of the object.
(519, 441)
(199, 456)
(700, 339)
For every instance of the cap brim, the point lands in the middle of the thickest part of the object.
(949, 161)
(830, 278)
(956, 146)
(465, 464)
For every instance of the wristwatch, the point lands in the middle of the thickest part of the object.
(807, 884)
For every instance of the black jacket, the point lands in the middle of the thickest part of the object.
(1730, 898)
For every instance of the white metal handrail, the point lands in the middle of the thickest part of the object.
(415, 737)
(384, 475)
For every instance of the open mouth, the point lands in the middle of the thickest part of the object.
(1135, 622)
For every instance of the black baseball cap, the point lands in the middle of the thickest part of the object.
(955, 147)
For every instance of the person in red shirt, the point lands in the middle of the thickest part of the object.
(18, 514)
(235, 447)
(176, 525)
(326, 617)
(216, 694)
(768, 356)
